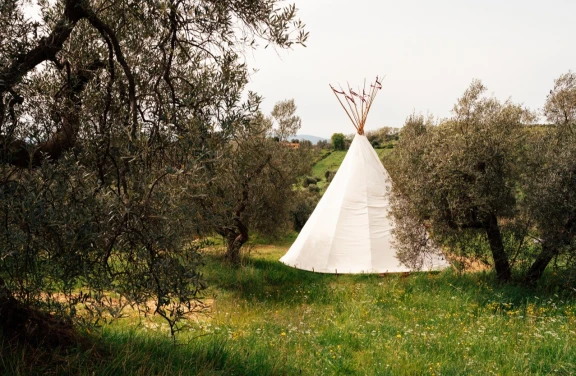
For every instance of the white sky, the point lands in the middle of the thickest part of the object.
(428, 50)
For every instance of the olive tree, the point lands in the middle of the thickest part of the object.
(486, 173)
(549, 188)
(254, 190)
(560, 106)
(459, 178)
(112, 119)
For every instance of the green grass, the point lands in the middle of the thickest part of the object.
(268, 319)
(424, 323)
(330, 162)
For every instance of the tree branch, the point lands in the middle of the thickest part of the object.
(106, 31)
(46, 49)
(17, 151)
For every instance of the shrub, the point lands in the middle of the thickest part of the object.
(304, 205)
(313, 188)
(339, 141)
(329, 175)
(310, 180)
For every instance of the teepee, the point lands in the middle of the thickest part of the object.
(350, 231)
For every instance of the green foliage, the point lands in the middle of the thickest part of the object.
(114, 121)
(313, 188)
(329, 175)
(338, 141)
(253, 189)
(484, 174)
(460, 176)
(382, 136)
(389, 145)
(324, 153)
(323, 145)
(560, 106)
(288, 123)
(310, 180)
(548, 187)
(303, 205)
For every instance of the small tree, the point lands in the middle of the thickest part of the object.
(287, 122)
(303, 205)
(339, 141)
(461, 177)
(254, 186)
(560, 106)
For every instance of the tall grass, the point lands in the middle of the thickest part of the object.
(439, 323)
(268, 319)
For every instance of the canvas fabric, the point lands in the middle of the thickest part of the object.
(350, 231)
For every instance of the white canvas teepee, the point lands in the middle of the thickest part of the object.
(349, 231)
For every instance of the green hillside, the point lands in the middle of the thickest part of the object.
(331, 160)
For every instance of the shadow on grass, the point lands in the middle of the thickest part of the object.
(553, 289)
(268, 280)
(131, 353)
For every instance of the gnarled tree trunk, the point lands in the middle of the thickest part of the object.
(501, 263)
(235, 237)
(539, 265)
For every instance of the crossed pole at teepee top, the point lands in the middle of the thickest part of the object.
(358, 115)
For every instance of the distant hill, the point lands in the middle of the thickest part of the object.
(312, 139)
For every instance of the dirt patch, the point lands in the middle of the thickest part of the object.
(111, 307)
(469, 265)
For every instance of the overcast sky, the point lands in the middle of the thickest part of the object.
(429, 51)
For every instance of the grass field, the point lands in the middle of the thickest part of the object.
(268, 319)
(265, 318)
(331, 162)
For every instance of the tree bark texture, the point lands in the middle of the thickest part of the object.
(539, 265)
(503, 271)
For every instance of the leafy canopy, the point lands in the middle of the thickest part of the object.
(486, 173)
(114, 116)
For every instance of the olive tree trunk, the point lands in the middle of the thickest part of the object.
(494, 235)
(236, 236)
